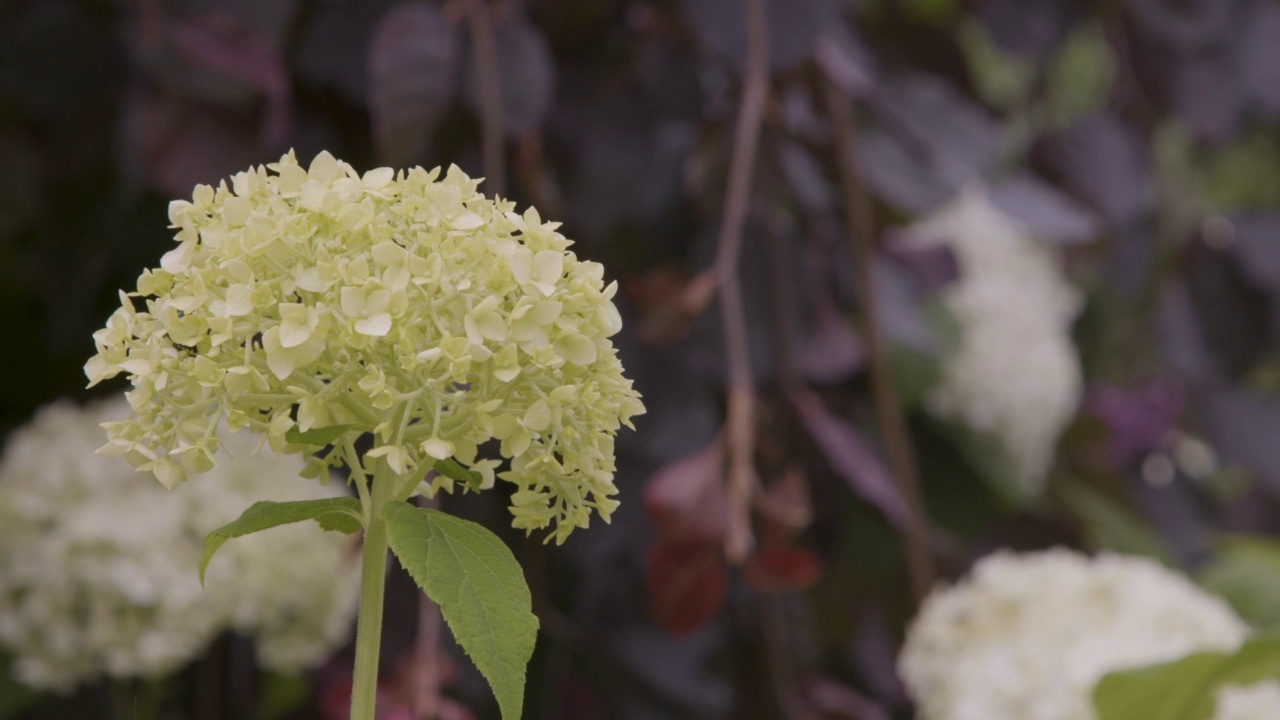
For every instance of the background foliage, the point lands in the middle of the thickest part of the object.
(1139, 136)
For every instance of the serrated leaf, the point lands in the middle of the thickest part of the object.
(340, 514)
(1185, 689)
(316, 436)
(450, 468)
(480, 589)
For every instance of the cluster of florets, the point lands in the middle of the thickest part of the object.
(400, 305)
(1026, 637)
(98, 562)
(1015, 376)
(1249, 702)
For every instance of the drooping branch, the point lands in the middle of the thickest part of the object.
(889, 414)
(740, 422)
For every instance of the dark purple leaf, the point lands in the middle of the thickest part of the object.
(1182, 337)
(846, 61)
(874, 653)
(1235, 317)
(413, 71)
(899, 176)
(173, 146)
(1046, 212)
(932, 140)
(333, 50)
(1187, 25)
(851, 456)
(1105, 161)
(926, 268)
(1032, 28)
(898, 307)
(1255, 244)
(805, 178)
(1243, 427)
(835, 699)
(1139, 420)
(1260, 57)
(525, 70)
(217, 45)
(1208, 93)
(830, 352)
(793, 26)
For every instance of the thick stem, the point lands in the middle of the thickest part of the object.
(373, 571)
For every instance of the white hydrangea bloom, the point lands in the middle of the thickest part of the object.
(1026, 636)
(406, 306)
(1252, 702)
(1015, 376)
(98, 562)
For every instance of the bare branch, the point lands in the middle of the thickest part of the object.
(740, 423)
(890, 418)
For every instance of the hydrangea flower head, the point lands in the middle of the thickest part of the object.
(407, 306)
(1015, 375)
(97, 562)
(1026, 636)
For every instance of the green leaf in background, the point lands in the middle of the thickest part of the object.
(283, 695)
(450, 468)
(340, 514)
(1185, 689)
(316, 436)
(1246, 572)
(480, 588)
(1109, 525)
(1079, 77)
(1003, 80)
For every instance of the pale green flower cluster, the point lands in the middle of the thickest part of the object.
(1027, 636)
(98, 562)
(401, 305)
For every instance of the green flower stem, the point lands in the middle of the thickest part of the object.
(373, 570)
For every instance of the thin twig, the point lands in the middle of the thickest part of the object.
(888, 406)
(740, 422)
(488, 83)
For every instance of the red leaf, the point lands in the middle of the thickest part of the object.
(851, 456)
(686, 584)
(413, 78)
(686, 498)
(781, 569)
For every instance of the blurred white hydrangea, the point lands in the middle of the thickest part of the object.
(1015, 376)
(98, 562)
(1252, 702)
(1026, 636)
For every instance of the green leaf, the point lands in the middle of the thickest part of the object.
(340, 514)
(450, 468)
(316, 436)
(480, 588)
(1185, 689)
(1110, 525)
(1246, 572)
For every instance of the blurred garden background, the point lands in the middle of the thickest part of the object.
(904, 282)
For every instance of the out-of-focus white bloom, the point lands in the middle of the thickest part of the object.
(1015, 376)
(1252, 702)
(1025, 637)
(98, 562)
